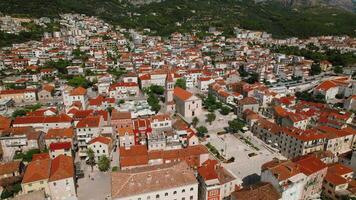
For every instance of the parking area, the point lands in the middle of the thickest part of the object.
(248, 160)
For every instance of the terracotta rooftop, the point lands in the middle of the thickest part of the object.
(9, 167)
(309, 164)
(155, 178)
(210, 170)
(55, 133)
(247, 101)
(37, 170)
(61, 167)
(259, 191)
(43, 119)
(120, 115)
(79, 91)
(89, 122)
(282, 170)
(101, 139)
(60, 145)
(182, 94)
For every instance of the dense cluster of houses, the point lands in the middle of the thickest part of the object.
(160, 155)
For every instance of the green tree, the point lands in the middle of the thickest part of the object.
(338, 70)
(202, 130)
(27, 156)
(153, 102)
(157, 89)
(19, 113)
(104, 163)
(235, 125)
(315, 69)
(253, 78)
(109, 109)
(210, 117)
(91, 158)
(195, 121)
(79, 81)
(225, 110)
(181, 83)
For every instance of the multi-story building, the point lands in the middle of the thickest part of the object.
(339, 182)
(126, 137)
(60, 148)
(55, 177)
(20, 139)
(187, 104)
(124, 90)
(216, 182)
(267, 131)
(246, 103)
(121, 119)
(296, 142)
(20, 96)
(60, 135)
(286, 177)
(298, 179)
(101, 146)
(77, 96)
(169, 181)
(337, 141)
(88, 128)
(44, 123)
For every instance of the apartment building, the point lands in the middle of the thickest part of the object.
(88, 128)
(296, 142)
(20, 96)
(216, 182)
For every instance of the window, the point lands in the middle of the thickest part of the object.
(166, 194)
(41, 182)
(183, 190)
(157, 196)
(191, 189)
(175, 192)
(191, 197)
(54, 183)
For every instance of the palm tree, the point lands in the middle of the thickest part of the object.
(91, 158)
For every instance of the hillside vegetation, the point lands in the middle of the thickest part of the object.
(187, 15)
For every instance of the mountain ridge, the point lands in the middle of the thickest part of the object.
(169, 16)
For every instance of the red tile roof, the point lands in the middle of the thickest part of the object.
(40, 119)
(60, 145)
(17, 91)
(40, 156)
(55, 133)
(182, 94)
(37, 170)
(309, 164)
(207, 170)
(79, 91)
(61, 167)
(89, 122)
(101, 139)
(4, 123)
